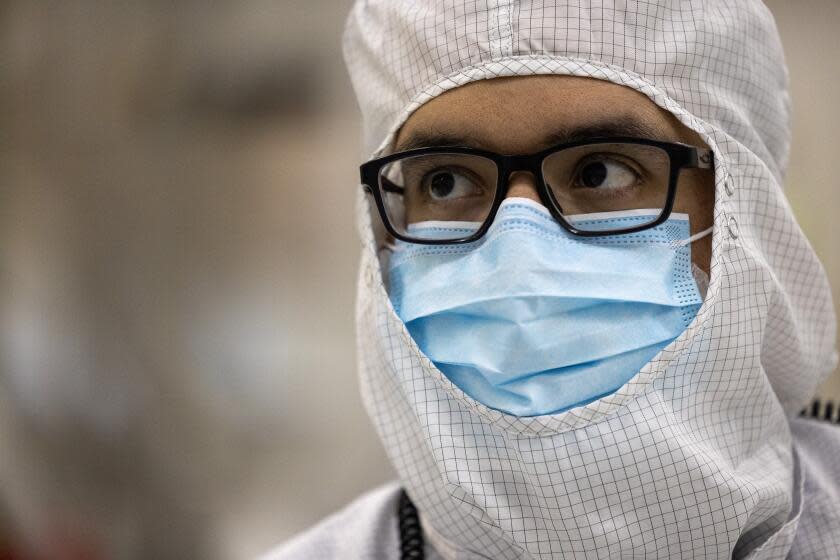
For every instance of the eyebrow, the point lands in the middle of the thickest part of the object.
(622, 127)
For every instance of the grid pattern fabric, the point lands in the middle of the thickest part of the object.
(693, 457)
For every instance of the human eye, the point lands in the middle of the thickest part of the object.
(606, 172)
(449, 183)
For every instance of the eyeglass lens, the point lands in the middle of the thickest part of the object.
(449, 195)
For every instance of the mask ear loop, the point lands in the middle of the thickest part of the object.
(676, 244)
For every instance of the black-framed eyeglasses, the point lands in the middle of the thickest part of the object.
(449, 195)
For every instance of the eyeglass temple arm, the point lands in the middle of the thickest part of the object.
(702, 158)
(387, 186)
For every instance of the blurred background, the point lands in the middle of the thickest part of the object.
(178, 264)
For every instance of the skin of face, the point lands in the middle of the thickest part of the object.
(515, 115)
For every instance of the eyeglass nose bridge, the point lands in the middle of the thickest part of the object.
(525, 162)
(531, 163)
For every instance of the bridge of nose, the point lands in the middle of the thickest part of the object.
(523, 184)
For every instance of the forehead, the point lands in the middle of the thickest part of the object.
(524, 113)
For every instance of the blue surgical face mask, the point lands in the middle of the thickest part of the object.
(532, 320)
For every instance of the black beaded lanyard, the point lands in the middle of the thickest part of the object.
(822, 411)
(411, 534)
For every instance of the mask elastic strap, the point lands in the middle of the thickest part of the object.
(699, 235)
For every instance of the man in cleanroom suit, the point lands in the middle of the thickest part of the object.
(587, 318)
